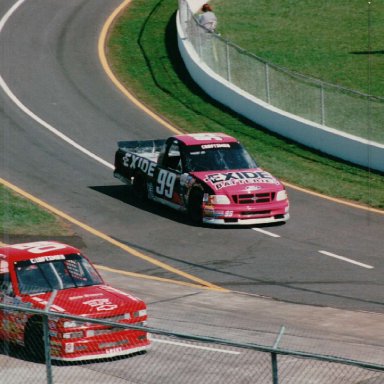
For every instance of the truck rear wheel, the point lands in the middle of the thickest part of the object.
(195, 206)
(140, 189)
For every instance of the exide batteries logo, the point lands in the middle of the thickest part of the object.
(227, 179)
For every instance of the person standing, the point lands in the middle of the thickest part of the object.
(208, 19)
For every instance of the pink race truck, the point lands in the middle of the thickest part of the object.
(210, 176)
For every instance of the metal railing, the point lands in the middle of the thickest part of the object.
(330, 105)
(176, 357)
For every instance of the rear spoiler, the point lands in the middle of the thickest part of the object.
(141, 146)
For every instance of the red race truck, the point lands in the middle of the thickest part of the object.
(50, 275)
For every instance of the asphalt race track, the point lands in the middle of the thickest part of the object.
(52, 82)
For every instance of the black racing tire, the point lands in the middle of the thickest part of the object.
(140, 189)
(34, 340)
(195, 206)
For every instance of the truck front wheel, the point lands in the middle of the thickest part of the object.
(34, 340)
(195, 206)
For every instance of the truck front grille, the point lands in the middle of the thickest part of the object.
(254, 198)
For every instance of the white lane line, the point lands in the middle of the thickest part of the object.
(196, 346)
(265, 232)
(347, 260)
(28, 112)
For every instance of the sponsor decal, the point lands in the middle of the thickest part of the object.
(101, 304)
(210, 146)
(137, 162)
(43, 259)
(209, 211)
(252, 188)
(114, 350)
(222, 180)
(69, 347)
(85, 296)
(165, 183)
(186, 180)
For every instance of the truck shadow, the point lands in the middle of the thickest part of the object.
(14, 351)
(125, 194)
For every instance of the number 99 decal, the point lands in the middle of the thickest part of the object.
(165, 183)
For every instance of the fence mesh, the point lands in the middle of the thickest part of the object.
(326, 104)
(175, 357)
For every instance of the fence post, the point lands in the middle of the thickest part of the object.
(47, 344)
(275, 369)
(322, 105)
(267, 86)
(228, 61)
(47, 349)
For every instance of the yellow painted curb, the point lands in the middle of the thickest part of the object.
(113, 78)
(109, 239)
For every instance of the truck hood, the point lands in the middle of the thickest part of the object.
(95, 301)
(239, 181)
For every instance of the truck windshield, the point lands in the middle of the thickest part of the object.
(61, 272)
(230, 156)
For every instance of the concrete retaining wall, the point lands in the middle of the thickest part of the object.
(327, 140)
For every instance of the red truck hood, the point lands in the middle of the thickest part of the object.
(239, 181)
(94, 301)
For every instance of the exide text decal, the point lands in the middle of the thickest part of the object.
(227, 179)
(132, 161)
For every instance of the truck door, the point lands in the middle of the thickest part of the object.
(7, 317)
(167, 175)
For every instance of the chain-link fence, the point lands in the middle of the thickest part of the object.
(173, 357)
(326, 104)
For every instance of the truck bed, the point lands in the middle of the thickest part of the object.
(149, 149)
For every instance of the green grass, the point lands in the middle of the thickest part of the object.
(340, 42)
(18, 216)
(143, 53)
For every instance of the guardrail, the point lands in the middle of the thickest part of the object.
(182, 357)
(331, 119)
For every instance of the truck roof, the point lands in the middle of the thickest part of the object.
(205, 138)
(27, 251)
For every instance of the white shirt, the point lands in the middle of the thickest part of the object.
(208, 20)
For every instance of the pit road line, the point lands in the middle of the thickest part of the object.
(196, 346)
(266, 232)
(326, 253)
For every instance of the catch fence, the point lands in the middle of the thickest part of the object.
(176, 357)
(330, 105)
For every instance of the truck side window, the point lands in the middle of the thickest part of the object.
(5, 284)
(173, 159)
